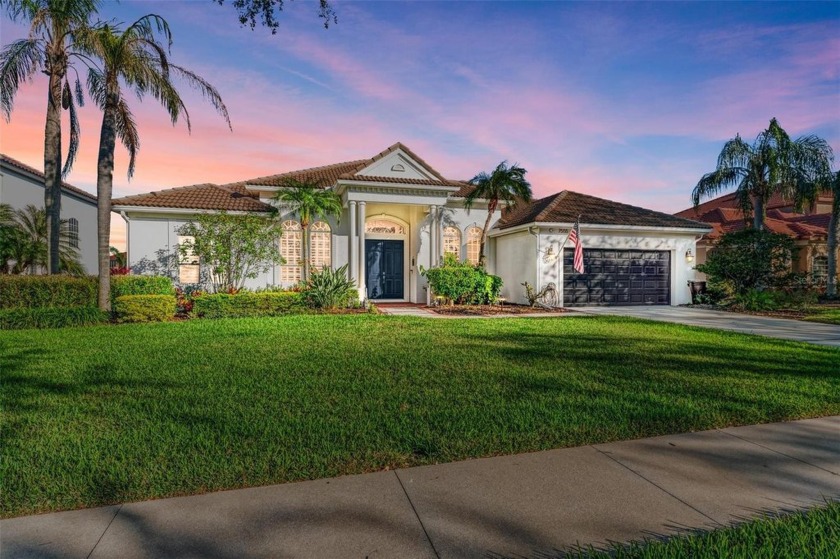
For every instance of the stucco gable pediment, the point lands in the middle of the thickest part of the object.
(398, 165)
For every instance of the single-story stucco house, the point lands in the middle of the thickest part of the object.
(22, 185)
(401, 215)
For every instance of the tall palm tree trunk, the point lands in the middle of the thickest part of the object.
(833, 233)
(304, 248)
(104, 188)
(491, 209)
(52, 168)
(758, 213)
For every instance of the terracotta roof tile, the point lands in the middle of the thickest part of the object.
(325, 176)
(566, 206)
(207, 196)
(32, 170)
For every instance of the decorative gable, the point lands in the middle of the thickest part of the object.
(398, 165)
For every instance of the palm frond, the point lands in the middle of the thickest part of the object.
(19, 61)
(75, 135)
(126, 129)
(207, 91)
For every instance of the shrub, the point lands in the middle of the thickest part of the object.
(267, 303)
(750, 259)
(755, 300)
(47, 291)
(50, 317)
(140, 285)
(144, 308)
(329, 289)
(460, 282)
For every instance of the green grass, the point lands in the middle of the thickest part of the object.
(813, 534)
(108, 414)
(829, 316)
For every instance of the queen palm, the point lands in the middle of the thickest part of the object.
(773, 164)
(505, 184)
(133, 59)
(310, 202)
(50, 47)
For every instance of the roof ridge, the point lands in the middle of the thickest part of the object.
(409, 151)
(551, 205)
(307, 169)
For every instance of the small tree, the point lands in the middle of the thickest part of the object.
(232, 247)
(752, 259)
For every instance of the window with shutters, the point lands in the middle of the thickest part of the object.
(320, 245)
(188, 264)
(291, 251)
(473, 244)
(452, 241)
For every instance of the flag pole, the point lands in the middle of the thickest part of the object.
(567, 236)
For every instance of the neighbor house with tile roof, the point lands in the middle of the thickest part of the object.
(808, 227)
(401, 215)
(22, 185)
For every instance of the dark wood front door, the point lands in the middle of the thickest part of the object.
(384, 271)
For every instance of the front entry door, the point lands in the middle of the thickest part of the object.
(384, 269)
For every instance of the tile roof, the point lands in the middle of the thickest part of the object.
(232, 197)
(725, 216)
(11, 162)
(566, 206)
(325, 176)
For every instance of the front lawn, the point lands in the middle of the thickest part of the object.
(107, 414)
(829, 316)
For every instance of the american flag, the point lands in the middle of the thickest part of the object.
(574, 237)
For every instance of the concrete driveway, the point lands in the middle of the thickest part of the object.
(786, 329)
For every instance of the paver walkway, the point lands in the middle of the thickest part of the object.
(785, 328)
(525, 505)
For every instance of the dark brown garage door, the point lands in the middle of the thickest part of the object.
(618, 277)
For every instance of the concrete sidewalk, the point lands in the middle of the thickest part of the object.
(784, 328)
(525, 505)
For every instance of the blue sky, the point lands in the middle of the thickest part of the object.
(630, 101)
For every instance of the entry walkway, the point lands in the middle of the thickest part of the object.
(524, 505)
(784, 328)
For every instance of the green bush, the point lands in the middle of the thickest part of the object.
(462, 283)
(144, 308)
(330, 289)
(50, 317)
(755, 300)
(244, 304)
(47, 291)
(750, 259)
(140, 285)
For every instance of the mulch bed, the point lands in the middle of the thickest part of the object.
(491, 310)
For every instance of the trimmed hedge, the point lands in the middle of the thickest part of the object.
(266, 303)
(140, 285)
(47, 291)
(47, 317)
(462, 283)
(144, 308)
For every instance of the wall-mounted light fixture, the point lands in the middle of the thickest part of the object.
(689, 257)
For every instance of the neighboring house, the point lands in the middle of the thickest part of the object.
(809, 229)
(22, 185)
(401, 216)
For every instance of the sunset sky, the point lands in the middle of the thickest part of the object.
(629, 101)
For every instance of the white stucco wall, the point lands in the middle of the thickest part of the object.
(19, 189)
(515, 262)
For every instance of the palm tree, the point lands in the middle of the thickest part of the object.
(310, 202)
(773, 164)
(50, 48)
(25, 243)
(504, 184)
(133, 59)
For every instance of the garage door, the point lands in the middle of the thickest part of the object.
(618, 277)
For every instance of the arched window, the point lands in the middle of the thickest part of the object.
(473, 244)
(290, 250)
(452, 241)
(320, 245)
(819, 268)
(73, 232)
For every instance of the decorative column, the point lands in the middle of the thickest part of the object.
(433, 234)
(354, 248)
(362, 256)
